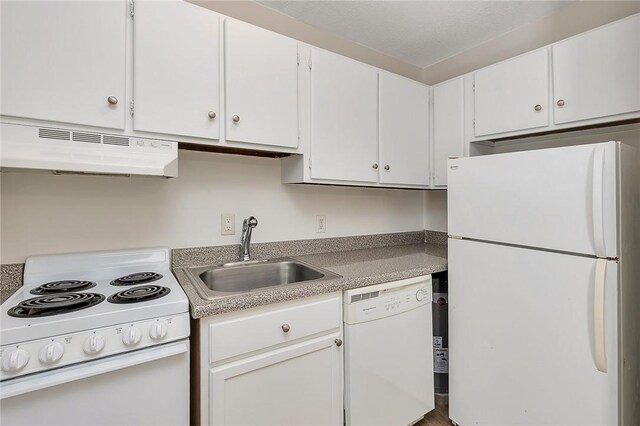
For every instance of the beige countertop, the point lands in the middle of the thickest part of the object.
(358, 268)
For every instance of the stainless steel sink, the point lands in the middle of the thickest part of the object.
(241, 277)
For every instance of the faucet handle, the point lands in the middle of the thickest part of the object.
(250, 222)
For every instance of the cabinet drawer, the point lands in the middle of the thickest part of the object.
(242, 335)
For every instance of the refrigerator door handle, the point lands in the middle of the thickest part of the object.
(598, 315)
(597, 201)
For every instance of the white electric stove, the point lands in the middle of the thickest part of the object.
(79, 316)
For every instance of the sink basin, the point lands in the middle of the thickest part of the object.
(242, 277)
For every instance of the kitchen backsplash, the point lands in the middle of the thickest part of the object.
(10, 279)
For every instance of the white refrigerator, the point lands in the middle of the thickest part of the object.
(544, 287)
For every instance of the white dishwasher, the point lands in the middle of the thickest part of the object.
(388, 353)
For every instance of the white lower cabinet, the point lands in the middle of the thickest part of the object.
(280, 365)
(295, 385)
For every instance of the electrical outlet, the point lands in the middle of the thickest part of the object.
(321, 223)
(227, 224)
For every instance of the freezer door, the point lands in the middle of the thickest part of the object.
(532, 337)
(560, 198)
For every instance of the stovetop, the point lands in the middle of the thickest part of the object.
(75, 292)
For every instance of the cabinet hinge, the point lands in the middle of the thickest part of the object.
(473, 87)
(310, 63)
(298, 59)
(309, 163)
(131, 108)
(474, 124)
(131, 8)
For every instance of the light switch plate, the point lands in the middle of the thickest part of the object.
(227, 224)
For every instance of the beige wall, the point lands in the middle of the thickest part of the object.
(435, 211)
(42, 213)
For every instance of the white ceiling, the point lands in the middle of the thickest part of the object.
(417, 32)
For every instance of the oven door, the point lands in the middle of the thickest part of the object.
(146, 387)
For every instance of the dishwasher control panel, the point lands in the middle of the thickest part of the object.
(379, 301)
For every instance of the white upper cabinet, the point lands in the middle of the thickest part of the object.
(597, 74)
(404, 131)
(448, 126)
(64, 61)
(176, 49)
(512, 95)
(261, 85)
(344, 118)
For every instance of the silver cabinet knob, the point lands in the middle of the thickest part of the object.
(375, 166)
(112, 100)
(560, 102)
(286, 328)
(236, 118)
(538, 107)
(212, 115)
(338, 342)
(387, 167)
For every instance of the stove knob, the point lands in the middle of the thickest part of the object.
(158, 331)
(131, 336)
(15, 360)
(93, 344)
(51, 352)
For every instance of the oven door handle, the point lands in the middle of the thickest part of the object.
(37, 381)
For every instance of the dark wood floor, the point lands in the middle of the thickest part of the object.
(438, 417)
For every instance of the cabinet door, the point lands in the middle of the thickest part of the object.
(261, 85)
(176, 69)
(512, 95)
(448, 126)
(597, 74)
(344, 118)
(64, 61)
(296, 385)
(404, 131)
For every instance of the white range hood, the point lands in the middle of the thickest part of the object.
(62, 150)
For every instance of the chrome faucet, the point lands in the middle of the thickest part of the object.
(245, 241)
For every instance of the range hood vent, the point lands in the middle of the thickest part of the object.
(60, 150)
(85, 137)
(115, 140)
(62, 135)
